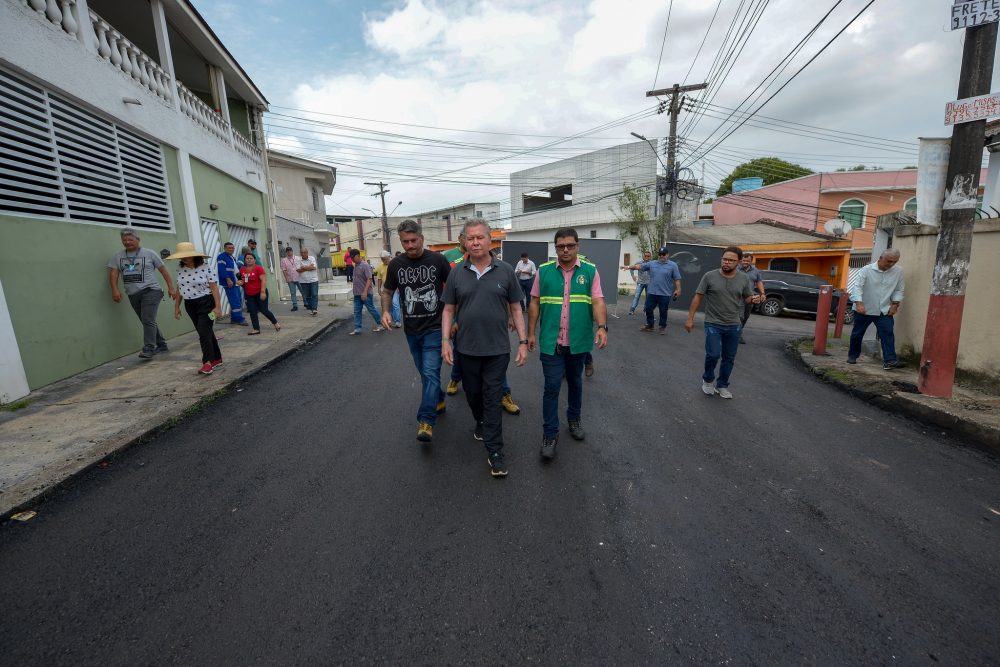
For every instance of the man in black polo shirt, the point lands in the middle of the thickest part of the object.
(485, 293)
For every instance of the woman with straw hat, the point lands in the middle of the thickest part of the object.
(198, 286)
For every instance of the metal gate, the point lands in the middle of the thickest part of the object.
(240, 237)
(213, 246)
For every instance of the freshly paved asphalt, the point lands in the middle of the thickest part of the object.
(298, 521)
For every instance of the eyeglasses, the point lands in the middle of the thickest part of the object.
(566, 246)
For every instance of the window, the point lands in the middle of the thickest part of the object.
(59, 160)
(479, 214)
(627, 259)
(784, 264)
(315, 198)
(853, 211)
(911, 205)
(542, 200)
(593, 233)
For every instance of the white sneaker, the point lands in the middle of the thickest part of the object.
(377, 329)
(708, 388)
(725, 393)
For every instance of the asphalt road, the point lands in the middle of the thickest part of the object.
(298, 521)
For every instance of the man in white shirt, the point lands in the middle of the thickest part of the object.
(305, 265)
(877, 292)
(525, 271)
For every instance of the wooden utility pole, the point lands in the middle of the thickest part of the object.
(385, 220)
(936, 375)
(674, 110)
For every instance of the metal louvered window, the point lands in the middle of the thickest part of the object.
(59, 160)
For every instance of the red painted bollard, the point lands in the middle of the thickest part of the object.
(838, 327)
(822, 319)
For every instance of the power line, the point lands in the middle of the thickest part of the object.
(659, 60)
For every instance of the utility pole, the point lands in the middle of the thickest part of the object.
(674, 110)
(385, 219)
(936, 375)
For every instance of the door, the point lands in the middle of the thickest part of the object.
(213, 246)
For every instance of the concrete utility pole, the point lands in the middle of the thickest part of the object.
(385, 219)
(674, 110)
(958, 216)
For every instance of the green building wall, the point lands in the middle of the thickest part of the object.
(55, 277)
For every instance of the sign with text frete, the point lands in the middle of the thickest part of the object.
(970, 13)
(972, 108)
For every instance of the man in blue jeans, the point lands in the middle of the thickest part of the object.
(641, 280)
(664, 284)
(877, 292)
(363, 288)
(419, 275)
(724, 291)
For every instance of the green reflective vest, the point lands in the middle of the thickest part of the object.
(581, 311)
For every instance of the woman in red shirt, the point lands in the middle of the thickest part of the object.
(255, 288)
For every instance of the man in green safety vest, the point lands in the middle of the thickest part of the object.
(567, 301)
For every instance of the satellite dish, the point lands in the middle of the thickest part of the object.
(837, 227)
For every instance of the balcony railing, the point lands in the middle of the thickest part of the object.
(125, 56)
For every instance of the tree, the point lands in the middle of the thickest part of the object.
(633, 219)
(771, 169)
(860, 167)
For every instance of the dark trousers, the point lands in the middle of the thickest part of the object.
(747, 309)
(145, 304)
(310, 295)
(199, 310)
(884, 326)
(255, 305)
(526, 291)
(483, 378)
(555, 367)
(456, 369)
(350, 273)
(654, 301)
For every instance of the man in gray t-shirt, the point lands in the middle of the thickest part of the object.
(724, 292)
(137, 268)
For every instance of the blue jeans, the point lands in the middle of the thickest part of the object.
(310, 295)
(652, 302)
(359, 307)
(426, 351)
(639, 289)
(555, 367)
(456, 370)
(396, 315)
(292, 289)
(235, 296)
(884, 326)
(721, 340)
(526, 291)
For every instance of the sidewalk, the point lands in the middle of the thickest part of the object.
(73, 424)
(970, 415)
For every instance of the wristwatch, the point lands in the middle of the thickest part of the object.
(602, 326)
(522, 342)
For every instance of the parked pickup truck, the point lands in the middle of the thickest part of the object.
(798, 293)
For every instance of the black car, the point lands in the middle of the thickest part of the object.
(797, 293)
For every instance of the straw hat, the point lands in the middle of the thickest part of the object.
(186, 249)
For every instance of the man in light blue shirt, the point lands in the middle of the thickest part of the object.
(664, 285)
(877, 292)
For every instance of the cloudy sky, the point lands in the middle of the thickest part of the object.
(443, 100)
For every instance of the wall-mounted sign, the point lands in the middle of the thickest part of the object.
(972, 108)
(970, 13)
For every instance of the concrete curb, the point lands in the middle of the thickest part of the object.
(31, 492)
(979, 435)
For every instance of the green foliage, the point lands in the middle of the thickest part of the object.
(862, 167)
(771, 169)
(15, 405)
(708, 200)
(633, 219)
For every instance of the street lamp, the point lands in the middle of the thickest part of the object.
(394, 209)
(670, 184)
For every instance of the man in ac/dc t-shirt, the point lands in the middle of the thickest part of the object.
(419, 275)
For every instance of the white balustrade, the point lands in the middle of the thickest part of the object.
(246, 148)
(60, 13)
(129, 58)
(201, 113)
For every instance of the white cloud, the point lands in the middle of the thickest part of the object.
(557, 68)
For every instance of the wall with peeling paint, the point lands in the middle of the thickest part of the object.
(979, 345)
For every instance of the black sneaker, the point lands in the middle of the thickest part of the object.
(478, 433)
(548, 448)
(575, 429)
(852, 360)
(294, 308)
(497, 466)
(162, 348)
(147, 354)
(890, 365)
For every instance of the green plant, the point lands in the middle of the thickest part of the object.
(632, 219)
(15, 405)
(771, 169)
